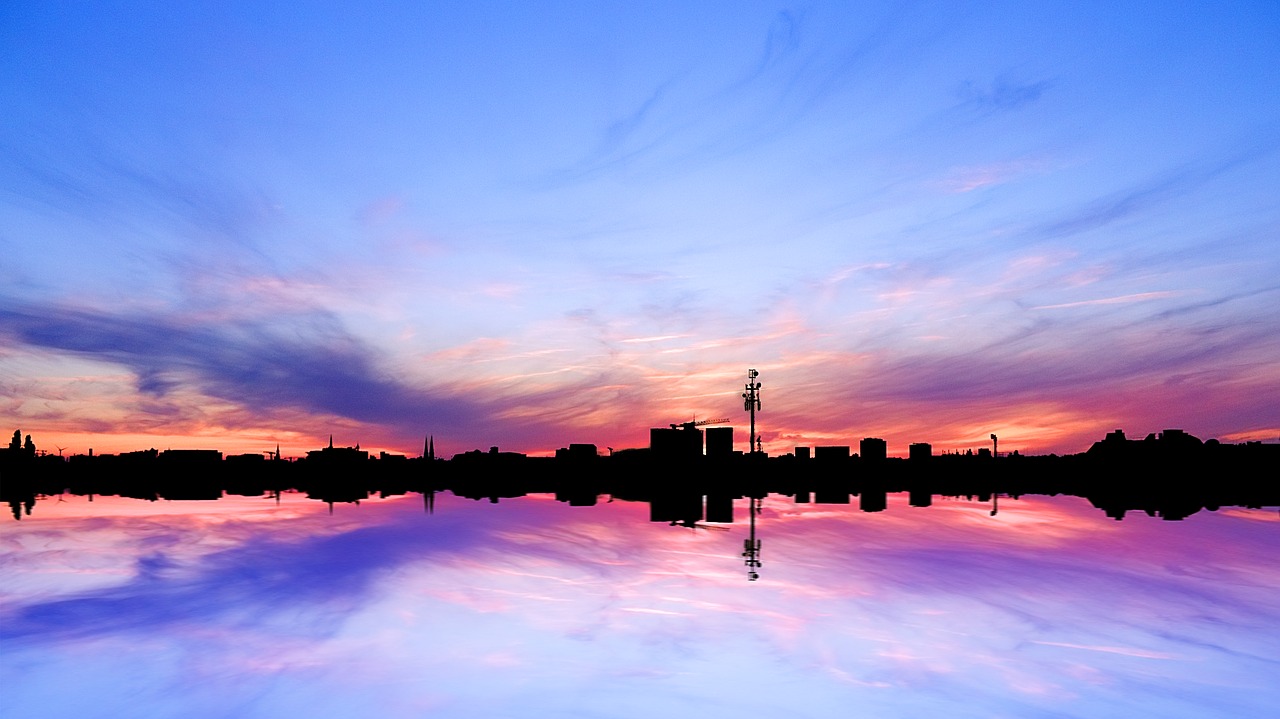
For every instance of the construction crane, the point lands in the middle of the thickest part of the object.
(699, 423)
(696, 525)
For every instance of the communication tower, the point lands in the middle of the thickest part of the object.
(751, 403)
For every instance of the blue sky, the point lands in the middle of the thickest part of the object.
(242, 223)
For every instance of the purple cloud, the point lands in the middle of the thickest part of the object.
(301, 361)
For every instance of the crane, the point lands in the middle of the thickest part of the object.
(699, 423)
(696, 525)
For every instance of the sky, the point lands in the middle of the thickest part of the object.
(236, 225)
(246, 608)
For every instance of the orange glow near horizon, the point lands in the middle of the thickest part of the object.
(87, 404)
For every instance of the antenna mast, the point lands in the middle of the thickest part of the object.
(751, 403)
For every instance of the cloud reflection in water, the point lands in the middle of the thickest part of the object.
(534, 608)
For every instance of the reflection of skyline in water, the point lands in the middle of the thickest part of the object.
(536, 608)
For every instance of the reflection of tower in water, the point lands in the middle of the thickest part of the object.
(751, 545)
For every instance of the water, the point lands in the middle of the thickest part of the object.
(533, 608)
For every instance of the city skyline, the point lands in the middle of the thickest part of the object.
(515, 226)
(729, 441)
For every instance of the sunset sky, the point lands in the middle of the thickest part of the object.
(237, 224)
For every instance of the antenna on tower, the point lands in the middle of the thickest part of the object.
(751, 403)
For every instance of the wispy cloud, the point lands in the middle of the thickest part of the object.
(1145, 196)
(782, 40)
(1003, 93)
(967, 179)
(1124, 651)
(1122, 299)
(658, 338)
(113, 189)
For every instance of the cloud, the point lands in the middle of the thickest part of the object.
(1125, 651)
(1217, 301)
(302, 361)
(967, 179)
(107, 184)
(1145, 196)
(301, 371)
(1003, 94)
(781, 41)
(1044, 363)
(658, 338)
(1122, 299)
(692, 122)
(621, 130)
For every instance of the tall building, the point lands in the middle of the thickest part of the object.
(676, 443)
(873, 449)
(831, 453)
(719, 441)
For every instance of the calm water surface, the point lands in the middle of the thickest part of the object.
(247, 608)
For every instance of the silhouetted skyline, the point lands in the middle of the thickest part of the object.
(1170, 474)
